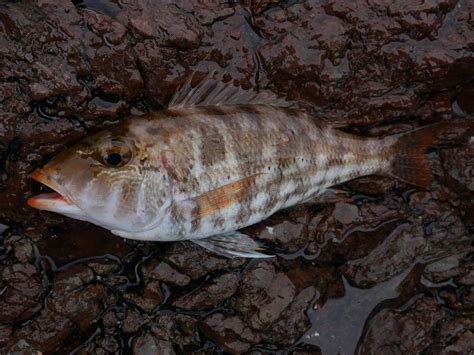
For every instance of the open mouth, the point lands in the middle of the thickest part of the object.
(51, 200)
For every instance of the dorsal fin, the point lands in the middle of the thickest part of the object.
(213, 92)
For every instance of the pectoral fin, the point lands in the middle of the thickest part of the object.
(222, 197)
(233, 244)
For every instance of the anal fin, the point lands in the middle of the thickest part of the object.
(330, 195)
(233, 244)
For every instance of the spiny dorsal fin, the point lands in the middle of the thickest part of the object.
(213, 92)
(233, 244)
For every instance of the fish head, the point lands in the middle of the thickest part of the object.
(110, 179)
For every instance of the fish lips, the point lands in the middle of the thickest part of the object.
(52, 201)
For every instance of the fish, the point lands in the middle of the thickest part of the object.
(216, 160)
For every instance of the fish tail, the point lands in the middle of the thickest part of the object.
(407, 151)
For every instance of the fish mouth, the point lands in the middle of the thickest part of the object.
(52, 201)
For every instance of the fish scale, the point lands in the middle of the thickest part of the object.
(261, 139)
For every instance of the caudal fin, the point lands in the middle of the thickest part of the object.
(409, 162)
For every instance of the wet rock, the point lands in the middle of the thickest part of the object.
(5, 334)
(162, 271)
(73, 278)
(445, 268)
(150, 297)
(177, 328)
(110, 319)
(20, 298)
(108, 343)
(211, 294)
(394, 255)
(104, 267)
(194, 261)
(467, 279)
(46, 332)
(407, 329)
(263, 295)
(75, 298)
(446, 233)
(290, 235)
(326, 279)
(182, 30)
(455, 336)
(149, 345)
(230, 332)
(467, 298)
(345, 213)
(459, 163)
(294, 321)
(82, 306)
(463, 103)
(368, 227)
(133, 321)
(23, 251)
(81, 242)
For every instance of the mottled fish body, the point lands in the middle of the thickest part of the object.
(202, 172)
(232, 166)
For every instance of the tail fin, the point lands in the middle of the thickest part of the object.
(409, 162)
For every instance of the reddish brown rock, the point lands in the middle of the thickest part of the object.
(294, 321)
(150, 297)
(5, 334)
(398, 330)
(289, 235)
(20, 297)
(177, 328)
(148, 344)
(133, 321)
(104, 267)
(263, 295)
(46, 332)
(210, 294)
(23, 250)
(455, 336)
(393, 256)
(443, 269)
(82, 306)
(194, 261)
(229, 332)
(459, 163)
(162, 271)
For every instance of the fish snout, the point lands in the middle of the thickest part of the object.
(51, 200)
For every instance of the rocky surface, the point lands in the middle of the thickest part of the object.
(389, 269)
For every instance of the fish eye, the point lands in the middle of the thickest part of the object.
(114, 159)
(116, 154)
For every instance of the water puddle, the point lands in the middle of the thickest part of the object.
(338, 325)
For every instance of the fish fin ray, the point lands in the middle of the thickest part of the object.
(410, 163)
(222, 197)
(330, 195)
(214, 92)
(232, 245)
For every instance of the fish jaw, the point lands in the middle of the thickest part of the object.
(53, 201)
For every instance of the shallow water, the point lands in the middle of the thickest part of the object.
(390, 270)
